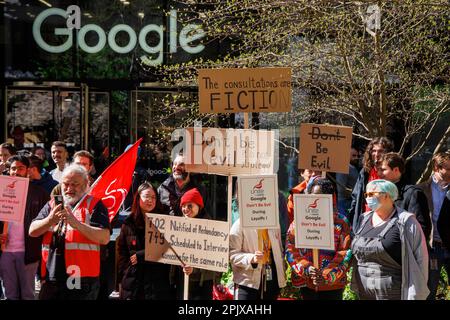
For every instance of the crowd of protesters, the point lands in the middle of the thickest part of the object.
(394, 236)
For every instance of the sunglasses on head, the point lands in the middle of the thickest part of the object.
(373, 193)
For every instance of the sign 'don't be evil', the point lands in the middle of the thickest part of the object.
(258, 201)
(13, 198)
(244, 90)
(314, 226)
(325, 147)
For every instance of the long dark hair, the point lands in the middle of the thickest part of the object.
(136, 213)
(387, 144)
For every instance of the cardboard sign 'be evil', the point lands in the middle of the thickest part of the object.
(325, 147)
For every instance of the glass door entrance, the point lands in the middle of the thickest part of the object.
(39, 115)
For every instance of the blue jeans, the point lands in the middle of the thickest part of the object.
(439, 257)
(18, 277)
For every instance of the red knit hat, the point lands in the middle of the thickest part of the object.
(192, 196)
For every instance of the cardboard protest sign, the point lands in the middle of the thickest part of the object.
(199, 243)
(314, 225)
(325, 147)
(229, 151)
(258, 201)
(244, 90)
(13, 198)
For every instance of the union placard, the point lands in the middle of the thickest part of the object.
(13, 198)
(314, 225)
(258, 201)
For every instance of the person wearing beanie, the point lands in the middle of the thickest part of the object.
(201, 281)
(191, 203)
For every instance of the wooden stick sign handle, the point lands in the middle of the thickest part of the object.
(316, 262)
(316, 258)
(186, 287)
(260, 240)
(246, 121)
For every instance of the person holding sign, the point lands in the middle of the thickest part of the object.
(249, 263)
(20, 257)
(140, 279)
(390, 250)
(201, 281)
(329, 280)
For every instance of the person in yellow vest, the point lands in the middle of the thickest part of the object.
(70, 265)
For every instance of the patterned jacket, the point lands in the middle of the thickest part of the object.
(333, 264)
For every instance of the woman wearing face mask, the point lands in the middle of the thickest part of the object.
(140, 279)
(391, 258)
(201, 281)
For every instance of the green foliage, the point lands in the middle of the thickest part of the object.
(348, 293)
(443, 291)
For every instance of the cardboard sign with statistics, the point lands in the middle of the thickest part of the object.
(325, 147)
(244, 90)
(258, 201)
(229, 151)
(314, 225)
(13, 198)
(200, 243)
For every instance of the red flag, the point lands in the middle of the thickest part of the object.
(113, 184)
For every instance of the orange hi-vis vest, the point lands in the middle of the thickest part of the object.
(79, 251)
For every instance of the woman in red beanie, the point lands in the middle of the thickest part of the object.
(201, 281)
(191, 204)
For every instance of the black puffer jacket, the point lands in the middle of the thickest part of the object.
(358, 202)
(145, 280)
(411, 198)
(443, 223)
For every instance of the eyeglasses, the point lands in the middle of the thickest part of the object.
(148, 198)
(371, 194)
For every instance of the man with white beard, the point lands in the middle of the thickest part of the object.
(70, 265)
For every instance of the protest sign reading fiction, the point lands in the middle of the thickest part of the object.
(325, 147)
(13, 198)
(314, 225)
(199, 243)
(229, 151)
(258, 201)
(244, 90)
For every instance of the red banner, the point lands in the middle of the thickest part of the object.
(113, 184)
